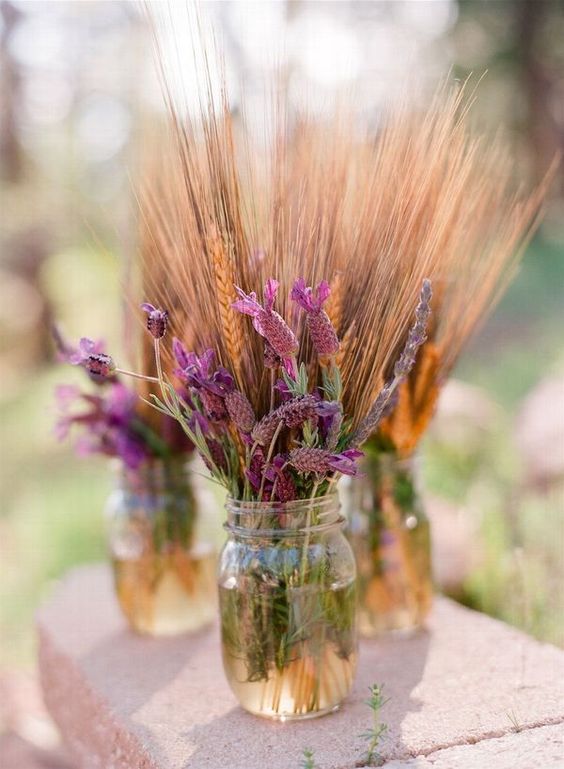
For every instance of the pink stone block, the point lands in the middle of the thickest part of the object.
(127, 702)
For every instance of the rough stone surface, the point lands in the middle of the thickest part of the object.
(123, 701)
(540, 748)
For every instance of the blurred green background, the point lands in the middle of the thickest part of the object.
(76, 88)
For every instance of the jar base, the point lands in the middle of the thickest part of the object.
(282, 718)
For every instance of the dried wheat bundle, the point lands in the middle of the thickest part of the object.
(373, 215)
(478, 227)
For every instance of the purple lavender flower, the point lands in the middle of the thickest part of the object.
(213, 404)
(321, 462)
(284, 487)
(217, 455)
(88, 355)
(157, 320)
(403, 366)
(65, 397)
(268, 322)
(211, 385)
(417, 334)
(180, 353)
(108, 422)
(298, 410)
(198, 372)
(293, 413)
(264, 430)
(255, 470)
(283, 390)
(199, 422)
(345, 461)
(321, 329)
(331, 420)
(240, 411)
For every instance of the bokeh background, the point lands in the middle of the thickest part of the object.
(77, 93)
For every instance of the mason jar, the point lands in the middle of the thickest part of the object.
(390, 536)
(287, 597)
(164, 574)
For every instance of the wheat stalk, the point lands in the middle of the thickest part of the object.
(422, 198)
(225, 292)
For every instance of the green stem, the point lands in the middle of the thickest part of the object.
(136, 376)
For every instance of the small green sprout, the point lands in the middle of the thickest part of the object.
(308, 762)
(378, 729)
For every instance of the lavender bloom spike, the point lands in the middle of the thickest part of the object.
(267, 321)
(217, 454)
(157, 320)
(298, 410)
(321, 329)
(320, 461)
(372, 419)
(213, 404)
(334, 430)
(240, 411)
(180, 353)
(416, 337)
(285, 488)
(417, 334)
(293, 413)
(88, 355)
(263, 431)
(255, 471)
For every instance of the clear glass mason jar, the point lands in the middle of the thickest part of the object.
(390, 536)
(164, 575)
(287, 597)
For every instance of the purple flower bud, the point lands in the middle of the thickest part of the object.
(309, 460)
(99, 365)
(417, 334)
(89, 355)
(213, 404)
(240, 411)
(323, 335)
(255, 469)
(263, 432)
(284, 487)
(320, 461)
(157, 320)
(293, 413)
(284, 391)
(403, 366)
(345, 462)
(332, 421)
(198, 421)
(180, 353)
(298, 410)
(267, 321)
(217, 455)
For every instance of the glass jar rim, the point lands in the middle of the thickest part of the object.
(328, 501)
(258, 519)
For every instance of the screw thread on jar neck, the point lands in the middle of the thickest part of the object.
(283, 518)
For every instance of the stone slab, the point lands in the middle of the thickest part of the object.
(539, 748)
(128, 702)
